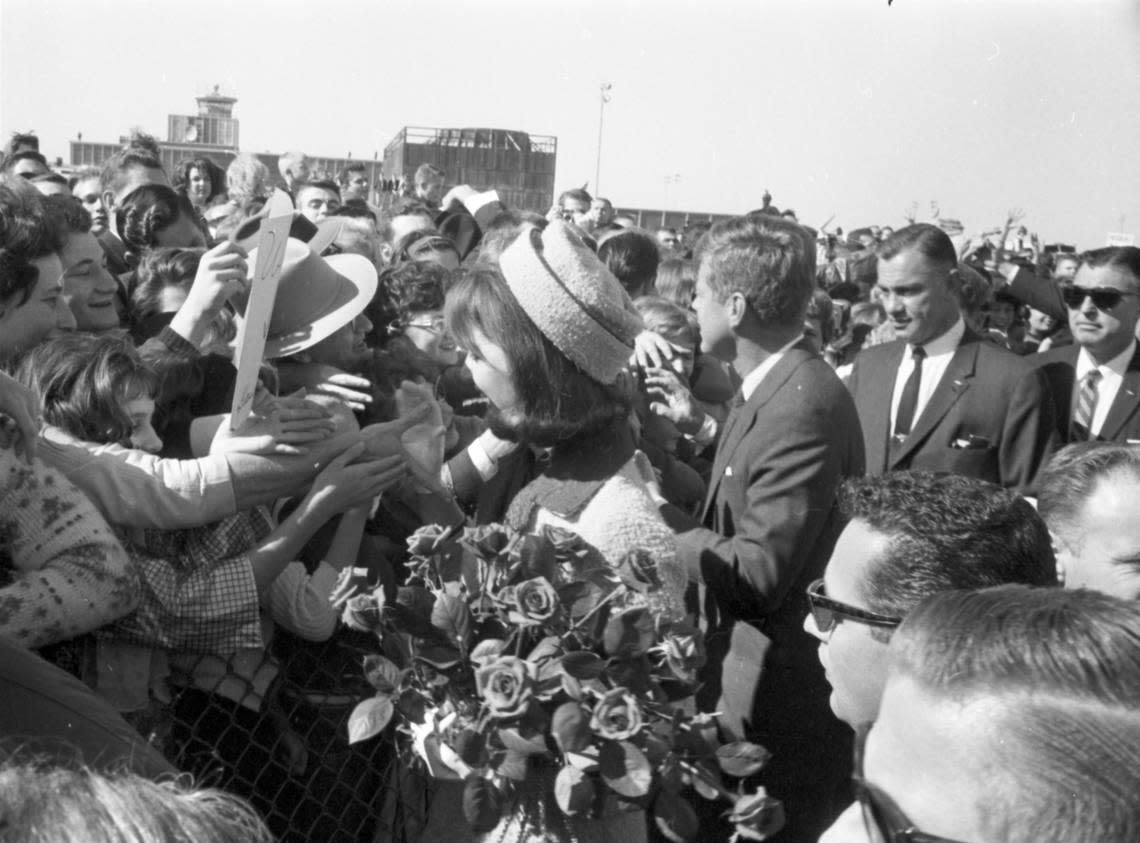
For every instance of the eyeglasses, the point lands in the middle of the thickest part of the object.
(827, 612)
(1103, 298)
(435, 326)
(883, 818)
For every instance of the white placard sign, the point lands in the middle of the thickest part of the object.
(271, 243)
(1120, 239)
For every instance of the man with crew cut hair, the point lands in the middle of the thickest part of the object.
(1009, 714)
(910, 535)
(941, 398)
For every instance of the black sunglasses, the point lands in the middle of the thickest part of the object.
(883, 818)
(1103, 298)
(827, 612)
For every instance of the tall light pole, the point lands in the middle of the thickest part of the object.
(605, 97)
(673, 179)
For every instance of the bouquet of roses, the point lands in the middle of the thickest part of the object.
(507, 649)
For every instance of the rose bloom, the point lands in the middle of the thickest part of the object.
(489, 540)
(536, 599)
(617, 716)
(684, 649)
(361, 613)
(506, 686)
(423, 540)
(757, 816)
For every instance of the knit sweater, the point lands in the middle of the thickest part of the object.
(62, 572)
(596, 488)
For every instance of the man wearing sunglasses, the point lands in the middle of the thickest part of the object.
(1010, 714)
(941, 398)
(1096, 382)
(910, 535)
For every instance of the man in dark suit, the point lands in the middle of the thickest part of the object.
(771, 518)
(941, 398)
(1096, 382)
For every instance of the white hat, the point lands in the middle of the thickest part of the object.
(315, 297)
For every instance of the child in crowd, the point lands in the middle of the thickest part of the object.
(210, 596)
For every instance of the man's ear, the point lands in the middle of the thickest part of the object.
(386, 252)
(737, 308)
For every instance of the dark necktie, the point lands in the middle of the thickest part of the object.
(1086, 407)
(909, 400)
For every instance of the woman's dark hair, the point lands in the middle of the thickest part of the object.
(83, 380)
(559, 401)
(159, 269)
(28, 230)
(208, 168)
(147, 210)
(632, 256)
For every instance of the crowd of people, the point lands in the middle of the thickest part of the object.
(888, 473)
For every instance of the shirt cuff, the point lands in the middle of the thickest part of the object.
(707, 433)
(482, 461)
(477, 201)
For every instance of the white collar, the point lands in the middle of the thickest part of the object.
(756, 376)
(1118, 365)
(947, 343)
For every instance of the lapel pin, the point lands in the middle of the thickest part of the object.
(728, 471)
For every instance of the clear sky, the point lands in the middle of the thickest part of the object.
(848, 107)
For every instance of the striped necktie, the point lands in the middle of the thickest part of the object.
(1086, 406)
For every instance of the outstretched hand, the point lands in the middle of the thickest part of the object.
(354, 479)
(673, 401)
(22, 407)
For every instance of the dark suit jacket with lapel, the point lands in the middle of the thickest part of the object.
(990, 417)
(769, 524)
(1122, 424)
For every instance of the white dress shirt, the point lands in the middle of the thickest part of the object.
(1111, 377)
(939, 353)
(754, 378)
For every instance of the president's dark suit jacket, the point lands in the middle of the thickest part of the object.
(991, 415)
(770, 522)
(1122, 424)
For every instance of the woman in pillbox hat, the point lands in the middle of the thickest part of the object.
(549, 333)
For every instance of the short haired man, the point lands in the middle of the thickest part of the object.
(574, 206)
(910, 535)
(317, 200)
(770, 519)
(668, 240)
(26, 163)
(941, 398)
(354, 183)
(294, 168)
(85, 188)
(32, 304)
(131, 167)
(1096, 381)
(1065, 266)
(1087, 497)
(89, 289)
(428, 185)
(602, 214)
(1009, 714)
